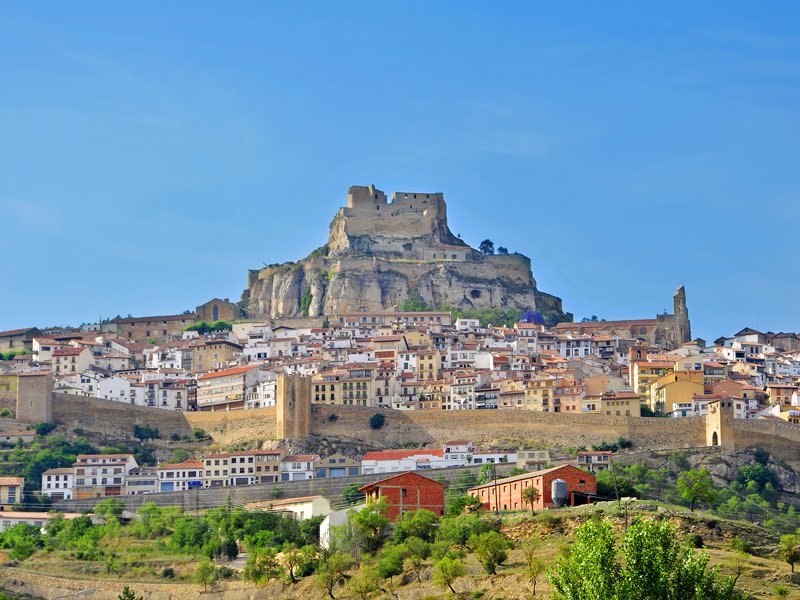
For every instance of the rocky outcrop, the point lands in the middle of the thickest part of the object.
(375, 260)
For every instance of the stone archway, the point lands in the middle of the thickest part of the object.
(714, 439)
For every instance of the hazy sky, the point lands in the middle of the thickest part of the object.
(154, 151)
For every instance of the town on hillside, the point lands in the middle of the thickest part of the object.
(395, 361)
(212, 362)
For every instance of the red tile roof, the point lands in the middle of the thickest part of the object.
(400, 454)
(227, 373)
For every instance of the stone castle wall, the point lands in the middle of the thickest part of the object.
(115, 420)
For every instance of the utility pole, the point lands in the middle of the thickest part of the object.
(616, 487)
(496, 498)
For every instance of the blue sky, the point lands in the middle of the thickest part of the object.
(153, 152)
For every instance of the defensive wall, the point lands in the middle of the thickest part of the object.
(115, 419)
(484, 427)
(205, 498)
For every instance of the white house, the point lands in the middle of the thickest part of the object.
(174, 477)
(332, 521)
(141, 480)
(57, 483)
(296, 467)
(306, 507)
(9, 519)
(115, 388)
(262, 395)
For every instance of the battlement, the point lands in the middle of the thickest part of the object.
(370, 199)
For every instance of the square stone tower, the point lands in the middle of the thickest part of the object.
(293, 406)
(719, 425)
(35, 397)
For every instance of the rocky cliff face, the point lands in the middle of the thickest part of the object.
(373, 263)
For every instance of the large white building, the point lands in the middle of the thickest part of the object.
(57, 483)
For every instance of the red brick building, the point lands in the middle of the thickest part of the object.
(506, 493)
(407, 492)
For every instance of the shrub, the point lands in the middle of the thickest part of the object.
(43, 428)
(199, 434)
(168, 573)
(377, 421)
(695, 540)
(6, 412)
(547, 519)
(740, 545)
(144, 432)
(332, 418)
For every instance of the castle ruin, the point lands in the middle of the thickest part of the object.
(381, 251)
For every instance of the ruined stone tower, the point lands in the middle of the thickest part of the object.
(35, 397)
(293, 406)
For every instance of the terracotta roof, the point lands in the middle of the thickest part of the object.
(10, 514)
(82, 457)
(227, 373)
(12, 481)
(372, 486)
(187, 464)
(58, 471)
(400, 454)
(16, 331)
(525, 476)
(301, 458)
(68, 351)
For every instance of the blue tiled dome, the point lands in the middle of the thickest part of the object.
(531, 316)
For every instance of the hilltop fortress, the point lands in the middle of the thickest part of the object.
(380, 252)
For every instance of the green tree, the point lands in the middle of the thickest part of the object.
(372, 523)
(351, 495)
(109, 508)
(292, 558)
(127, 594)
(486, 247)
(446, 571)
(418, 523)
(414, 303)
(263, 565)
(365, 582)
(656, 566)
(491, 549)
(377, 420)
(179, 455)
(205, 574)
(332, 572)
(531, 495)
(790, 549)
(502, 250)
(418, 551)
(590, 572)
(464, 502)
(696, 486)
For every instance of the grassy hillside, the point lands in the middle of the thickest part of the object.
(168, 547)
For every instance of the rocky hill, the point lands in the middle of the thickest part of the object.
(381, 252)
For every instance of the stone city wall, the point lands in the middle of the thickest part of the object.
(115, 419)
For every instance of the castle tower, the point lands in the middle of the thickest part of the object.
(719, 425)
(35, 397)
(681, 314)
(293, 406)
